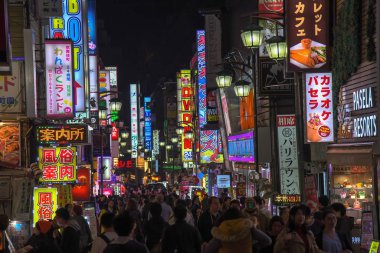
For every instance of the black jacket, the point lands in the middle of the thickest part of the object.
(70, 241)
(43, 243)
(205, 223)
(131, 246)
(343, 240)
(181, 237)
(154, 230)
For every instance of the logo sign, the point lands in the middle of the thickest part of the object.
(268, 6)
(211, 147)
(156, 144)
(107, 165)
(187, 108)
(201, 40)
(93, 77)
(10, 95)
(134, 120)
(212, 111)
(364, 125)
(48, 8)
(70, 26)
(114, 133)
(148, 123)
(44, 204)
(58, 164)
(319, 107)
(81, 190)
(62, 134)
(59, 79)
(287, 199)
(113, 75)
(288, 154)
(241, 147)
(92, 36)
(308, 35)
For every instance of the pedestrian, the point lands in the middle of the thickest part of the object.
(166, 209)
(295, 238)
(181, 237)
(189, 216)
(344, 224)
(284, 214)
(154, 229)
(70, 240)
(209, 218)
(235, 233)
(276, 225)
(124, 226)
(4, 241)
(204, 203)
(42, 240)
(260, 239)
(329, 240)
(111, 207)
(317, 225)
(109, 235)
(235, 204)
(85, 232)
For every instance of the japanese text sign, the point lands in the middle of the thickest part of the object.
(114, 133)
(287, 199)
(288, 154)
(10, 95)
(92, 36)
(93, 78)
(187, 108)
(201, 42)
(81, 191)
(308, 34)
(58, 164)
(59, 79)
(113, 75)
(319, 108)
(212, 110)
(148, 123)
(210, 147)
(44, 204)
(70, 26)
(61, 134)
(104, 89)
(156, 144)
(134, 121)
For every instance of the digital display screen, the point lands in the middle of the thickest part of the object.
(241, 147)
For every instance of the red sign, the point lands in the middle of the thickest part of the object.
(124, 164)
(311, 193)
(268, 6)
(81, 191)
(115, 133)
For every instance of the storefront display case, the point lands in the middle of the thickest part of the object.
(352, 186)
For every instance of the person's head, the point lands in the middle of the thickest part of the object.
(329, 219)
(284, 213)
(214, 204)
(44, 226)
(297, 216)
(77, 210)
(160, 198)
(123, 224)
(339, 209)
(180, 212)
(230, 214)
(323, 201)
(276, 225)
(259, 201)
(69, 208)
(235, 204)
(196, 200)
(62, 216)
(111, 204)
(132, 205)
(155, 209)
(106, 220)
(4, 222)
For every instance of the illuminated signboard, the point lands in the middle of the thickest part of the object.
(134, 120)
(69, 26)
(10, 140)
(223, 181)
(148, 123)
(92, 36)
(113, 75)
(319, 107)
(124, 164)
(59, 78)
(61, 134)
(201, 39)
(287, 199)
(107, 165)
(10, 99)
(93, 77)
(187, 108)
(210, 147)
(44, 204)
(81, 190)
(288, 154)
(104, 88)
(268, 6)
(212, 109)
(114, 133)
(241, 147)
(58, 164)
(156, 144)
(308, 35)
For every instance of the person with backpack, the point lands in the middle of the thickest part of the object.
(85, 232)
(70, 240)
(109, 235)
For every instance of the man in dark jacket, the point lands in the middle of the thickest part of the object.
(181, 237)
(124, 225)
(208, 219)
(70, 241)
(345, 224)
(154, 228)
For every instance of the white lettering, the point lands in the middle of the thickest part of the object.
(365, 126)
(362, 99)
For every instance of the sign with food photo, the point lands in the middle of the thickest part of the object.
(319, 108)
(9, 144)
(308, 35)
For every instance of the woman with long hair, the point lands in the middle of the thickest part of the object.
(296, 238)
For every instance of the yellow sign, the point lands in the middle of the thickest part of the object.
(61, 134)
(58, 164)
(187, 108)
(374, 247)
(44, 204)
(65, 194)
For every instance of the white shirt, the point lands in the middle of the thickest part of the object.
(99, 245)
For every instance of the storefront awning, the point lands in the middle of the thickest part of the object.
(350, 155)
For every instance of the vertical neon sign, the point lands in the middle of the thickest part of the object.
(187, 108)
(134, 121)
(148, 123)
(202, 110)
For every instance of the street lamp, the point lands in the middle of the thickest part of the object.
(168, 147)
(123, 144)
(179, 130)
(115, 104)
(224, 78)
(277, 48)
(102, 112)
(129, 151)
(124, 135)
(174, 139)
(189, 135)
(252, 36)
(242, 88)
(162, 143)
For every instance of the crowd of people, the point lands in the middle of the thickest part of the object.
(165, 223)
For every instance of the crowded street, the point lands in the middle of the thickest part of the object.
(189, 126)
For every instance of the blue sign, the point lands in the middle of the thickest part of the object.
(69, 26)
(148, 123)
(202, 109)
(92, 39)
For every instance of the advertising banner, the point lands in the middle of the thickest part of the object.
(156, 144)
(58, 164)
(201, 40)
(45, 204)
(92, 36)
(288, 154)
(319, 107)
(59, 79)
(308, 35)
(187, 108)
(148, 123)
(241, 147)
(113, 75)
(70, 26)
(81, 191)
(61, 134)
(93, 77)
(212, 109)
(134, 120)
(107, 165)
(210, 147)
(10, 92)
(9, 144)
(268, 6)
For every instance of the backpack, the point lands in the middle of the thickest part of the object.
(105, 238)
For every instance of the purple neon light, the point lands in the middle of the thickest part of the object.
(248, 135)
(241, 158)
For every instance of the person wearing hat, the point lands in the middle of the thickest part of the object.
(42, 240)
